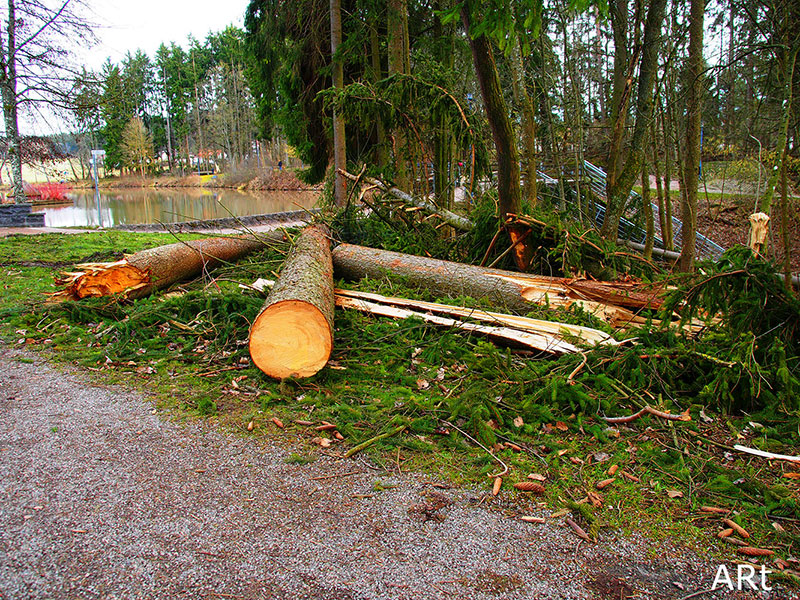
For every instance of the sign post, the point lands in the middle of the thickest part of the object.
(97, 155)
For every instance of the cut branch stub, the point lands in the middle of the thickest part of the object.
(144, 272)
(293, 334)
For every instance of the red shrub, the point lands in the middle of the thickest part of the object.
(51, 190)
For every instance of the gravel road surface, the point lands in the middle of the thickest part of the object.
(101, 497)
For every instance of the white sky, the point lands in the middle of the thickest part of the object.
(128, 25)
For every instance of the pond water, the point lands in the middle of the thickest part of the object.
(168, 205)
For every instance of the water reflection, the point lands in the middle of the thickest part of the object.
(150, 205)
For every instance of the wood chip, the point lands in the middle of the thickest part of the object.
(530, 486)
(737, 528)
(751, 551)
(498, 483)
(537, 520)
(725, 533)
(560, 513)
(714, 509)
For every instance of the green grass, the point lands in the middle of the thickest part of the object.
(189, 352)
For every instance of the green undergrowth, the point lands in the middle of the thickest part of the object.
(468, 406)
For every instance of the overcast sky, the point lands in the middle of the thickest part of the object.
(133, 24)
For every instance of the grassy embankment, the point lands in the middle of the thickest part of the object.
(187, 350)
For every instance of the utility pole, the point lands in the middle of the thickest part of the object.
(169, 127)
(197, 113)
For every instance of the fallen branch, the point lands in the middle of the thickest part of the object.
(377, 438)
(764, 454)
(684, 416)
(485, 449)
(449, 217)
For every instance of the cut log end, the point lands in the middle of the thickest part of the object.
(291, 339)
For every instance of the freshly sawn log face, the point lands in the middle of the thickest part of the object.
(144, 272)
(513, 291)
(293, 334)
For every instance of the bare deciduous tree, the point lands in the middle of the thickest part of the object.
(35, 36)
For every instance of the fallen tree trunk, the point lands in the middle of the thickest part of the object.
(449, 217)
(142, 273)
(293, 334)
(507, 289)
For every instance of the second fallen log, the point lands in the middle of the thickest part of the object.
(147, 271)
(293, 334)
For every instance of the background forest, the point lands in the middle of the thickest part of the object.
(431, 94)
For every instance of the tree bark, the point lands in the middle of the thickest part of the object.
(619, 188)
(339, 147)
(506, 289)
(398, 49)
(8, 93)
(293, 334)
(695, 112)
(158, 268)
(525, 100)
(649, 223)
(508, 190)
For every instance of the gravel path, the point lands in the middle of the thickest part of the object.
(100, 497)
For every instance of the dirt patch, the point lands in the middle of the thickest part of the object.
(101, 497)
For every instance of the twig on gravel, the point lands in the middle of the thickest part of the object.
(377, 438)
(334, 476)
(698, 593)
(485, 449)
(578, 530)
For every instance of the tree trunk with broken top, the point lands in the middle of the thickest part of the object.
(145, 272)
(507, 289)
(293, 334)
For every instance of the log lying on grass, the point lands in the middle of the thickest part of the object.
(142, 273)
(513, 291)
(293, 334)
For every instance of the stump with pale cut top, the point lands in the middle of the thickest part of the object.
(293, 334)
